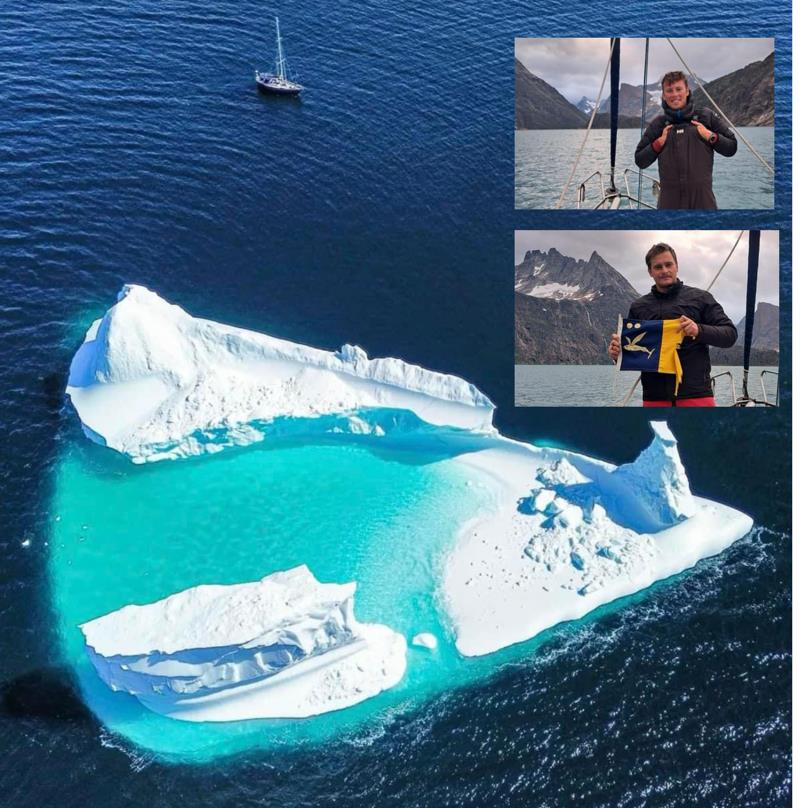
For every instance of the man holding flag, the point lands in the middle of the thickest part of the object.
(666, 336)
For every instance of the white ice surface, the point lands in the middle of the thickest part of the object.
(568, 533)
(286, 646)
(566, 537)
(425, 640)
(153, 382)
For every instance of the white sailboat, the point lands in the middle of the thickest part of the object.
(278, 82)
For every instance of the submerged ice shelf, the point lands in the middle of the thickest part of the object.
(286, 646)
(565, 534)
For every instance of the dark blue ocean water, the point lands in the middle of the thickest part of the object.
(378, 210)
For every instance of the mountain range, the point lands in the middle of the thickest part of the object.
(566, 309)
(538, 105)
(746, 96)
(766, 337)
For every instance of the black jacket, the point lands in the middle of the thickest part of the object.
(686, 161)
(716, 328)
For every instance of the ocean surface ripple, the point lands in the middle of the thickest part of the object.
(378, 210)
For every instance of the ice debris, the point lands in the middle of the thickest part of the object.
(425, 640)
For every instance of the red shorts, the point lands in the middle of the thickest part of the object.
(708, 401)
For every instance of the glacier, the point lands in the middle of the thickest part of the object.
(564, 534)
(286, 646)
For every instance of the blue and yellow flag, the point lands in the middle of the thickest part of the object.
(651, 346)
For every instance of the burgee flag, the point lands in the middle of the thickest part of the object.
(650, 346)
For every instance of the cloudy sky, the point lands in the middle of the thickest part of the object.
(700, 255)
(575, 66)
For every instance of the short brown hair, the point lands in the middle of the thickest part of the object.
(671, 78)
(657, 249)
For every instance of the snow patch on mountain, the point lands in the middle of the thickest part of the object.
(562, 291)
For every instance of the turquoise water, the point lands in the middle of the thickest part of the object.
(352, 511)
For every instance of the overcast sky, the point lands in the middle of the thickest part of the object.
(575, 66)
(700, 255)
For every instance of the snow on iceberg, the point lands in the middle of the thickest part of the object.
(153, 382)
(286, 646)
(572, 533)
(568, 533)
(653, 492)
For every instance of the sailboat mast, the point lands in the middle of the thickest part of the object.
(280, 66)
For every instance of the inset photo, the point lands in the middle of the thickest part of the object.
(670, 124)
(654, 318)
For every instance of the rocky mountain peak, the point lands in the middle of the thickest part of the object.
(578, 300)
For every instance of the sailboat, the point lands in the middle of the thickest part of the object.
(277, 82)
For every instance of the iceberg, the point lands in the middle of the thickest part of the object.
(571, 533)
(286, 646)
(565, 534)
(155, 383)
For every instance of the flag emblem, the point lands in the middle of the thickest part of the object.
(651, 346)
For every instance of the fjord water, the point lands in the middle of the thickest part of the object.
(544, 159)
(377, 210)
(603, 386)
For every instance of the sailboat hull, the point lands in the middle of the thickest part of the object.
(272, 85)
(277, 83)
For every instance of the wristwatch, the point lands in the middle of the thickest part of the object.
(714, 138)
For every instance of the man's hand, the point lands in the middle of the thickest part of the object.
(703, 131)
(689, 327)
(660, 141)
(613, 347)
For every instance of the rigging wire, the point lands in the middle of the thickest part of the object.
(586, 135)
(725, 262)
(716, 106)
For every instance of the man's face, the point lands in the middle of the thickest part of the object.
(663, 270)
(675, 94)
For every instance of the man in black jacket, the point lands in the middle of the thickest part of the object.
(684, 140)
(702, 321)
